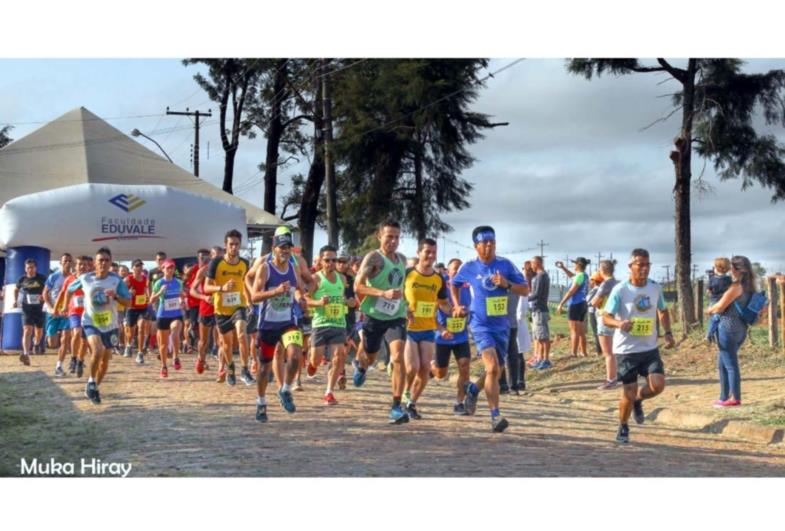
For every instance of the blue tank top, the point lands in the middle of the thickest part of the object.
(580, 295)
(278, 312)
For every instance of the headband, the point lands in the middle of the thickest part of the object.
(485, 236)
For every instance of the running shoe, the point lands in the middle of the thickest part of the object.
(623, 435)
(359, 374)
(411, 410)
(637, 411)
(164, 372)
(245, 376)
(544, 364)
(25, 359)
(342, 381)
(298, 385)
(397, 416)
(177, 364)
(459, 410)
(127, 352)
(609, 384)
(59, 372)
(329, 399)
(199, 368)
(533, 361)
(499, 424)
(79, 368)
(91, 392)
(231, 379)
(139, 358)
(261, 412)
(325, 361)
(407, 395)
(504, 389)
(221, 376)
(311, 370)
(287, 401)
(726, 403)
(470, 401)
(72, 366)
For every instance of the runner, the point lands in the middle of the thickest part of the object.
(453, 338)
(30, 287)
(342, 267)
(102, 291)
(225, 281)
(152, 277)
(490, 278)
(276, 282)
(166, 293)
(328, 299)
(575, 298)
(206, 313)
(122, 270)
(424, 290)
(136, 313)
(58, 333)
(632, 309)
(192, 322)
(74, 310)
(380, 281)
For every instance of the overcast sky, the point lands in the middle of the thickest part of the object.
(574, 167)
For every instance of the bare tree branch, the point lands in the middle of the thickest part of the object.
(663, 119)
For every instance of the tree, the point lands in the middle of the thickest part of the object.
(233, 78)
(4, 138)
(718, 104)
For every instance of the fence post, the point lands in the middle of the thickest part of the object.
(781, 282)
(698, 298)
(772, 289)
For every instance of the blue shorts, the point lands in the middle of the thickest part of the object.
(75, 321)
(55, 325)
(110, 339)
(496, 340)
(425, 335)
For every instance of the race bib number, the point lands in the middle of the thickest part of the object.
(79, 302)
(33, 299)
(456, 325)
(496, 306)
(295, 337)
(171, 305)
(425, 309)
(231, 298)
(334, 311)
(140, 300)
(102, 319)
(642, 326)
(387, 306)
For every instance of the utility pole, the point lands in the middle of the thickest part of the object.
(542, 245)
(329, 175)
(197, 115)
(667, 273)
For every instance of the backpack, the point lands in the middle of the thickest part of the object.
(755, 307)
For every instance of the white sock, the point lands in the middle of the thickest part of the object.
(261, 401)
(286, 387)
(328, 391)
(90, 380)
(59, 365)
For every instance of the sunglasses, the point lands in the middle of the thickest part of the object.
(329, 260)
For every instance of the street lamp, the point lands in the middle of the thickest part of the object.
(137, 132)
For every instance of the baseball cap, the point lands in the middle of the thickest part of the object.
(283, 229)
(343, 256)
(168, 263)
(597, 277)
(581, 260)
(283, 239)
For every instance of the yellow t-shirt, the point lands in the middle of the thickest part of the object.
(422, 293)
(226, 302)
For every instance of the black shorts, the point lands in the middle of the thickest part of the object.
(253, 324)
(207, 320)
(34, 318)
(269, 338)
(193, 316)
(577, 312)
(461, 350)
(226, 323)
(165, 323)
(328, 335)
(375, 329)
(132, 316)
(630, 366)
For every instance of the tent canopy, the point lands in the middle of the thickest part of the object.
(81, 148)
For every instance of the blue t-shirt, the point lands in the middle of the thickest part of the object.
(460, 337)
(485, 296)
(55, 285)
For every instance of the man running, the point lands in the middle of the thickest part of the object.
(167, 294)
(342, 267)
(424, 290)
(102, 291)
(327, 298)
(453, 337)
(380, 281)
(192, 303)
(225, 281)
(58, 331)
(136, 313)
(275, 284)
(74, 311)
(206, 312)
(490, 278)
(31, 288)
(632, 309)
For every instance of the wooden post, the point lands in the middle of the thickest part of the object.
(699, 301)
(772, 289)
(781, 282)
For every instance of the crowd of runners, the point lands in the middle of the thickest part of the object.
(278, 316)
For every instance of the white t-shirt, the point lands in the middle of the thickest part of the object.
(636, 304)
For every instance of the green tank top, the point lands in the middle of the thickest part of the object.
(334, 314)
(390, 277)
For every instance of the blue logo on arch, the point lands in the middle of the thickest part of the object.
(128, 202)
